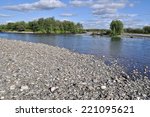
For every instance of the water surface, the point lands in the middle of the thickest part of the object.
(132, 53)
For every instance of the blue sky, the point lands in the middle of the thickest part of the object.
(91, 13)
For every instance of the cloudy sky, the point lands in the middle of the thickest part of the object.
(91, 13)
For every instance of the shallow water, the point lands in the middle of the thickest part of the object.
(132, 53)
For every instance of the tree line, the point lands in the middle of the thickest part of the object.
(144, 30)
(47, 25)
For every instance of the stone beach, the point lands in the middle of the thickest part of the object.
(30, 71)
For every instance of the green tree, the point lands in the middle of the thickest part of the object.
(47, 25)
(20, 26)
(135, 30)
(10, 26)
(116, 27)
(41, 25)
(33, 26)
(79, 28)
(2, 28)
(146, 29)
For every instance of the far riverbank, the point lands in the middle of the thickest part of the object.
(25, 32)
(131, 35)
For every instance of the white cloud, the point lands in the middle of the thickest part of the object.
(103, 21)
(107, 7)
(133, 23)
(105, 11)
(67, 15)
(131, 5)
(79, 3)
(97, 23)
(64, 19)
(41, 4)
(102, 7)
(4, 15)
(9, 21)
(118, 16)
(6, 22)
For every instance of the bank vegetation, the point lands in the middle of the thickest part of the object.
(47, 25)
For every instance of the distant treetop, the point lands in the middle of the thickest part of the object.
(47, 25)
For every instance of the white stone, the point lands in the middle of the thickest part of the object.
(144, 95)
(138, 98)
(12, 87)
(83, 83)
(91, 88)
(103, 87)
(2, 91)
(2, 98)
(65, 79)
(24, 87)
(53, 89)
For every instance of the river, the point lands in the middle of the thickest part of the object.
(132, 53)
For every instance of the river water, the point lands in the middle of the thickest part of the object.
(132, 53)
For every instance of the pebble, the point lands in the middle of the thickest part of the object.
(103, 87)
(2, 91)
(12, 87)
(91, 88)
(53, 89)
(138, 98)
(144, 95)
(2, 97)
(123, 74)
(83, 83)
(24, 88)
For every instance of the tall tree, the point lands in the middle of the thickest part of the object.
(116, 27)
(33, 26)
(146, 29)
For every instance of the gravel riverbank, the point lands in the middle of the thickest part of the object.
(38, 71)
(136, 35)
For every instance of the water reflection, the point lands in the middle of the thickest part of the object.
(115, 46)
(115, 38)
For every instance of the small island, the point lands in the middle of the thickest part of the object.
(43, 26)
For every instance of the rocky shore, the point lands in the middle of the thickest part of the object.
(37, 71)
